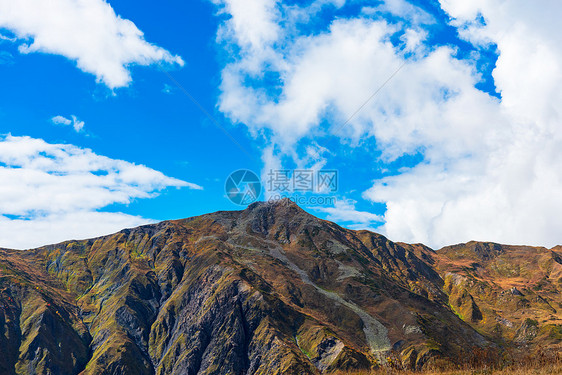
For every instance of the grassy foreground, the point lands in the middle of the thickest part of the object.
(555, 369)
(538, 362)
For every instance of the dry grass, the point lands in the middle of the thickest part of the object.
(520, 362)
(555, 369)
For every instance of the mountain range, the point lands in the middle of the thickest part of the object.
(270, 290)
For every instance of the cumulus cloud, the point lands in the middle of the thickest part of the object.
(73, 120)
(329, 74)
(510, 190)
(490, 168)
(86, 31)
(56, 187)
(252, 23)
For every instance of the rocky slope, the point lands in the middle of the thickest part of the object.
(267, 290)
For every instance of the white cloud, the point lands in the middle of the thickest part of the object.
(86, 31)
(344, 211)
(403, 9)
(252, 22)
(413, 39)
(73, 120)
(510, 190)
(77, 124)
(61, 120)
(55, 228)
(329, 75)
(491, 167)
(6, 39)
(46, 186)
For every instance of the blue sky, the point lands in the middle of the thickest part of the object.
(458, 143)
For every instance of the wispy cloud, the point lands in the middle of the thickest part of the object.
(403, 9)
(88, 32)
(6, 58)
(7, 39)
(167, 89)
(344, 211)
(63, 187)
(77, 124)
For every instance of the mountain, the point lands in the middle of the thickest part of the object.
(269, 290)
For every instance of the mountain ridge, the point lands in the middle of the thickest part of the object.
(270, 289)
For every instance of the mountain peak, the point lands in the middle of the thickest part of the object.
(278, 209)
(263, 217)
(277, 203)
